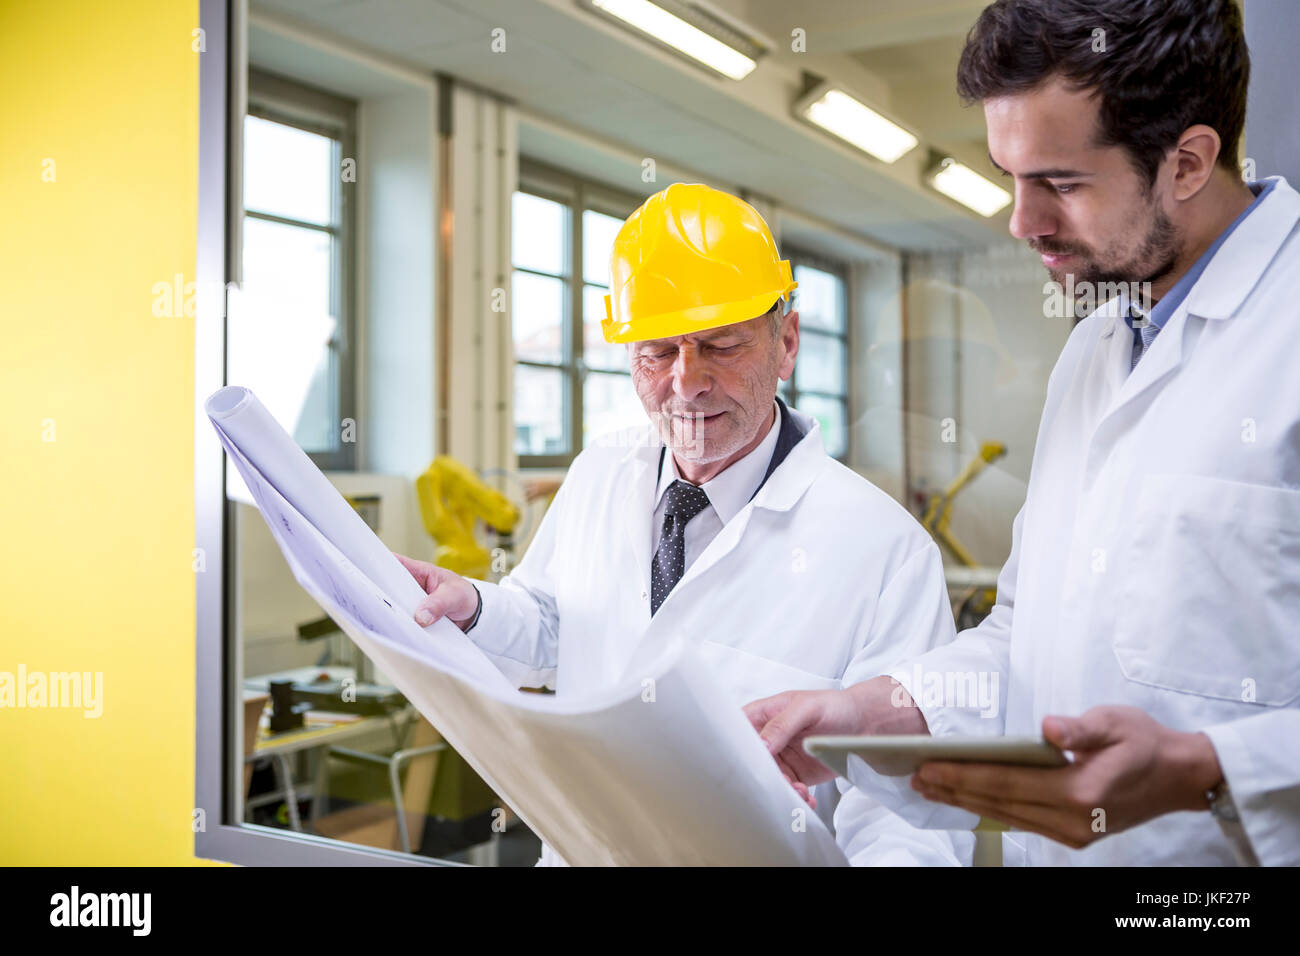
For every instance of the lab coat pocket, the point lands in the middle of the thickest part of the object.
(750, 676)
(1212, 590)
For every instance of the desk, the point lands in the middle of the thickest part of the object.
(320, 729)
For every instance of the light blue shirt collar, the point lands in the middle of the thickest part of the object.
(1169, 303)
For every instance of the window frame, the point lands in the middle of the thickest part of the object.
(291, 103)
(801, 257)
(220, 834)
(578, 195)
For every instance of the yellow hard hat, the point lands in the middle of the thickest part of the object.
(691, 258)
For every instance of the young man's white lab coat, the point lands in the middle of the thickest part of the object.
(1156, 560)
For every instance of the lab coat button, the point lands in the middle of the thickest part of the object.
(644, 595)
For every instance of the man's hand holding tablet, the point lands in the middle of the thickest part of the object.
(1125, 767)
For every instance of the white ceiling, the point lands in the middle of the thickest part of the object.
(566, 64)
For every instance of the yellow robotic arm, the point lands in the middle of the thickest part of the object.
(938, 509)
(452, 497)
(975, 605)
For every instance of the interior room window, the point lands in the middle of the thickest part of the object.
(570, 385)
(820, 384)
(330, 749)
(290, 325)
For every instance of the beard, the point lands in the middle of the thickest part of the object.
(1154, 258)
(695, 435)
(699, 439)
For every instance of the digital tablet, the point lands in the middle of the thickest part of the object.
(898, 756)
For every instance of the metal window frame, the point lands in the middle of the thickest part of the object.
(217, 764)
(291, 103)
(799, 257)
(577, 195)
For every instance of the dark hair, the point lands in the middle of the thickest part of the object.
(1166, 65)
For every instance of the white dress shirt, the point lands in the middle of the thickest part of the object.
(728, 492)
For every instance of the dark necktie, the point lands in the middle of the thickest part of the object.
(1146, 332)
(683, 502)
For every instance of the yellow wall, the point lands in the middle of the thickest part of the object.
(97, 525)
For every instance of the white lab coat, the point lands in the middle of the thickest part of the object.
(821, 579)
(1156, 560)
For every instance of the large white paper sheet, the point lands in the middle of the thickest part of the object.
(661, 769)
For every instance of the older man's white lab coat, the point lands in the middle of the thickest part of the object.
(1156, 560)
(820, 580)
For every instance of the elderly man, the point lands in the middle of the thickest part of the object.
(724, 521)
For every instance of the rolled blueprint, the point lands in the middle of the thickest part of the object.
(244, 421)
(622, 776)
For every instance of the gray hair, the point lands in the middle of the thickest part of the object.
(777, 313)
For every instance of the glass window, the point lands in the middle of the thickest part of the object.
(598, 232)
(288, 171)
(538, 231)
(820, 384)
(538, 317)
(570, 384)
(330, 749)
(281, 326)
(831, 414)
(541, 234)
(539, 410)
(821, 299)
(288, 333)
(821, 364)
(286, 265)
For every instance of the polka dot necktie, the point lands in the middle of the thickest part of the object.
(683, 502)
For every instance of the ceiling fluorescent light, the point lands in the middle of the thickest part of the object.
(960, 182)
(685, 37)
(855, 122)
